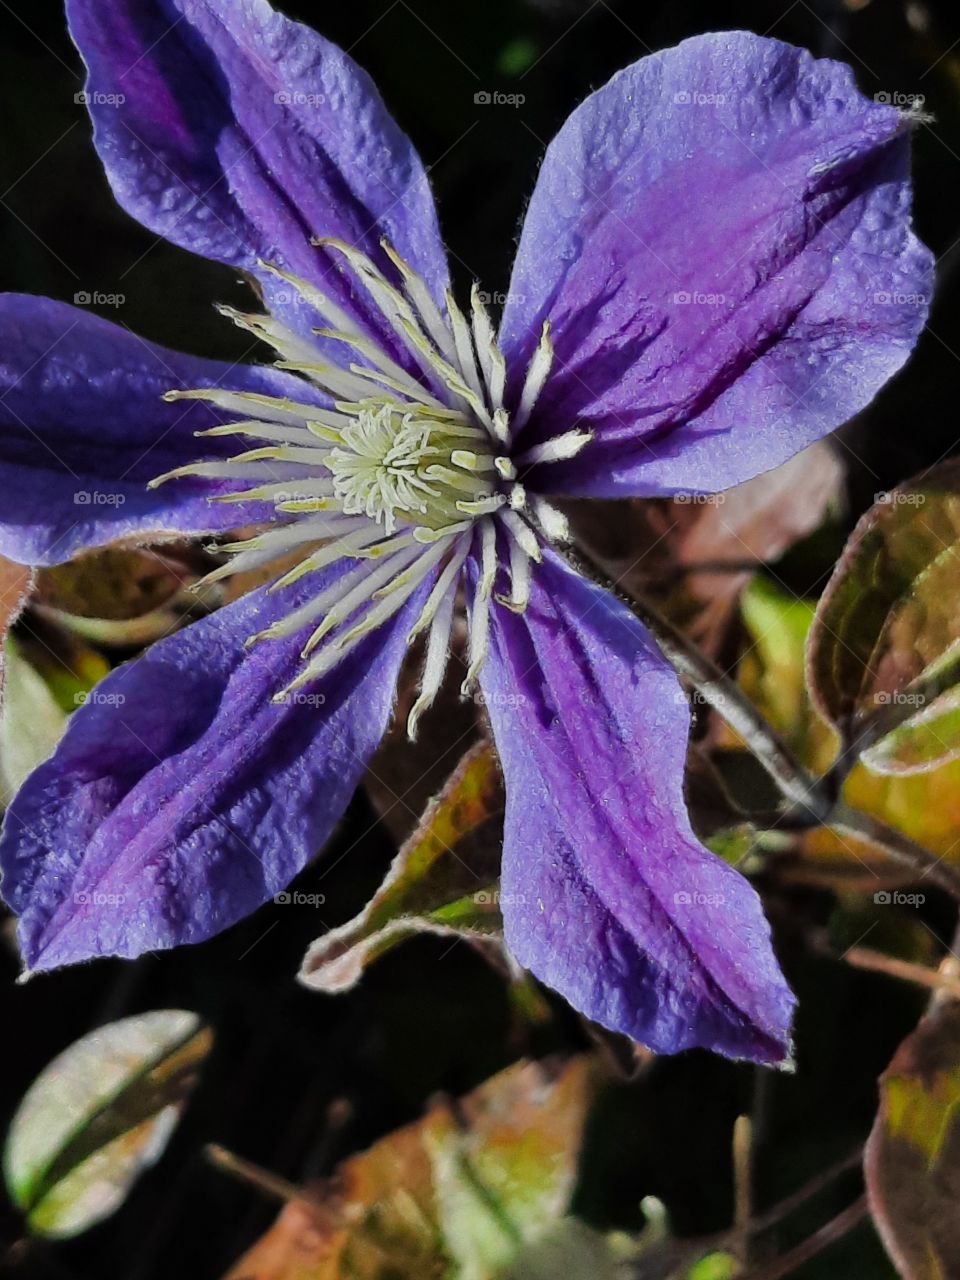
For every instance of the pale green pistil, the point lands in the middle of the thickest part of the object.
(406, 467)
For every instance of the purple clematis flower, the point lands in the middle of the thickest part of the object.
(715, 270)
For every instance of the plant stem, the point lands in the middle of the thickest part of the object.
(834, 1230)
(269, 1184)
(877, 962)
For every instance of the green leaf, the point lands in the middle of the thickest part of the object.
(912, 1160)
(443, 880)
(891, 612)
(505, 1169)
(99, 1115)
(715, 1266)
(577, 1252)
(923, 742)
(31, 722)
(771, 671)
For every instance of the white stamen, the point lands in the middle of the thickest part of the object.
(480, 606)
(447, 579)
(383, 574)
(484, 337)
(421, 297)
(270, 330)
(374, 618)
(463, 343)
(281, 492)
(254, 553)
(364, 543)
(261, 431)
(341, 384)
(271, 408)
(537, 373)
(237, 470)
(435, 661)
(553, 522)
(522, 534)
(556, 449)
(519, 580)
(391, 304)
(361, 576)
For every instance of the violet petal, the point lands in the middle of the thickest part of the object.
(607, 895)
(721, 240)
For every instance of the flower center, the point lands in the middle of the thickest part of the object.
(401, 470)
(408, 467)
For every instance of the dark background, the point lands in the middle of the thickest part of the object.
(433, 1016)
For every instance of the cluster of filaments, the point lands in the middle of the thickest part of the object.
(405, 474)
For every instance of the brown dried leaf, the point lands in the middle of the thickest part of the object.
(485, 1176)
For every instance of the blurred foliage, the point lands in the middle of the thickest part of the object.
(463, 1192)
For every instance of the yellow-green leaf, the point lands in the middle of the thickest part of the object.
(443, 880)
(913, 1155)
(771, 672)
(31, 723)
(98, 1116)
(925, 741)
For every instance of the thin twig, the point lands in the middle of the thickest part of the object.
(270, 1184)
(834, 1230)
(743, 1187)
(783, 1208)
(877, 962)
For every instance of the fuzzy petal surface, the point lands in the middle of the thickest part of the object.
(606, 893)
(181, 797)
(83, 428)
(721, 240)
(239, 134)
